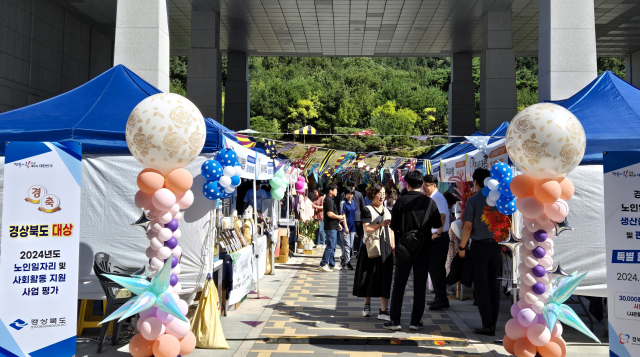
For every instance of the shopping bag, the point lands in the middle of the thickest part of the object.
(372, 242)
(206, 325)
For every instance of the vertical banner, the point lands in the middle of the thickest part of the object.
(622, 227)
(40, 247)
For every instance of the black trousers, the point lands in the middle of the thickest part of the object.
(358, 239)
(487, 261)
(437, 268)
(401, 277)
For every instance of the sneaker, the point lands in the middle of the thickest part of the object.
(366, 312)
(325, 269)
(393, 326)
(415, 326)
(384, 315)
(336, 267)
(349, 266)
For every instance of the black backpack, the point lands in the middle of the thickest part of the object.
(410, 243)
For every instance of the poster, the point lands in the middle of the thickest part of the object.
(497, 152)
(40, 247)
(622, 227)
(454, 167)
(252, 162)
(242, 274)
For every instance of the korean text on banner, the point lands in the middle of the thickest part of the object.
(242, 274)
(454, 167)
(475, 160)
(497, 152)
(622, 227)
(248, 160)
(40, 247)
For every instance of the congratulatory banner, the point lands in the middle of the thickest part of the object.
(40, 240)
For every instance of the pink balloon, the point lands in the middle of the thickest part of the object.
(530, 207)
(165, 217)
(515, 330)
(164, 317)
(163, 199)
(177, 234)
(151, 328)
(176, 270)
(545, 297)
(531, 298)
(155, 263)
(150, 312)
(528, 279)
(150, 252)
(547, 244)
(542, 219)
(299, 186)
(164, 253)
(175, 209)
(178, 328)
(153, 213)
(177, 252)
(177, 216)
(548, 227)
(530, 244)
(538, 307)
(523, 304)
(557, 330)
(557, 211)
(155, 244)
(301, 179)
(185, 201)
(177, 288)
(530, 261)
(539, 335)
(527, 318)
(155, 226)
(527, 234)
(545, 279)
(546, 262)
(164, 234)
(515, 309)
(139, 323)
(143, 200)
(152, 234)
(184, 307)
(532, 226)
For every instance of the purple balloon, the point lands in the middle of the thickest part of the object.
(539, 252)
(540, 236)
(174, 262)
(171, 243)
(539, 271)
(172, 225)
(174, 280)
(537, 288)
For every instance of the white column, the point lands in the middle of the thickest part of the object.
(566, 48)
(632, 68)
(462, 99)
(142, 40)
(498, 96)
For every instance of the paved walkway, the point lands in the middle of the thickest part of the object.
(301, 301)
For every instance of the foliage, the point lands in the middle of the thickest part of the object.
(264, 125)
(306, 110)
(309, 228)
(498, 223)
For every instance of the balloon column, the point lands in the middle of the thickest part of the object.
(278, 185)
(546, 142)
(497, 189)
(164, 132)
(222, 175)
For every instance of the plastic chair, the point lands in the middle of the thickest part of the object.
(103, 263)
(86, 318)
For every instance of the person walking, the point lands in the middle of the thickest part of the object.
(375, 274)
(414, 215)
(331, 224)
(485, 256)
(318, 214)
(440, 250)
(348, 229)
(358, 199)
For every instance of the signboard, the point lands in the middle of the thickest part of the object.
(497, 152)
(242, 274)
(475, 160)
(622, 227)
(454, 167)
(252, 162)
(40, 247)
(260, 250)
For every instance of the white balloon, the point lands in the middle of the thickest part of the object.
(229, 171)
(178, 216)
(155, 226)
(239, 171)
(493, 184)
(177, 252)
(486, 180)
(545, 140)
(164, 234)
(494, 195)
(165, 217)
(229, 189)
(150, 252)
(538, 307)
(164, 253)
(491, 202)
(155, 244)
(176, 270)
(156, 263)
(225, 181)
(165, 131)
(177, 288)
(177, 234)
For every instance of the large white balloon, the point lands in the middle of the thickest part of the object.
(165, 131)
(546, 141)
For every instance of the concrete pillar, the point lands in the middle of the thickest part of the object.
(142, 40)
(204, 78)
(498, 97)
(632, 68)
(567, 59)
(462, 100)
(236, 101)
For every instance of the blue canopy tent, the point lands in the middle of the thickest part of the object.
(94, 114)
(609, 110)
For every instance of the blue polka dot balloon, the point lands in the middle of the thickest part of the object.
(505, 187)
(506, 205)
(227, 157)
(500, 171)
(221, 153)
(211, 190)
(211, 170)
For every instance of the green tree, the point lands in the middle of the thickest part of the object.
(306, 110)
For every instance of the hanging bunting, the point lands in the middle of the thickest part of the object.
(365, 132)
(308, 153)
(421, 137)
(297, 163)
(480, 142)
(306, 130)
(396, 164)
(383, 160)
(412, 164)
(426, 167)
(270, 148)
(245, 141)
(444, 147)
(358, 159)
(282, 163)
(287, 147)
(323, 163)
(247, 131)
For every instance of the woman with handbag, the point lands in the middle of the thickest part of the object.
(374, 272)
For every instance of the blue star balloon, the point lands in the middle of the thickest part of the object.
(211, 170)
(148, 294)
(555, 309)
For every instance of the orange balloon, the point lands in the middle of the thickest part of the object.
(508, 344)
(568, 189)
(178, 181)
(522, 186)
(547, 190)
(523, 348)
(551, 349)
(139, 347)
(166, 346)
(187, 344)
(150, 181)
(560, 342)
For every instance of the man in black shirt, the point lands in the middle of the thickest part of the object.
(331, 224)
(413, 211)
